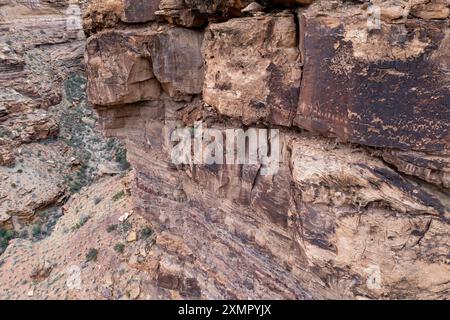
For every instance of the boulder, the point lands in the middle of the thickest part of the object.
(126, 67)
(101, 14)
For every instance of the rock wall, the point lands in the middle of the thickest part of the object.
(360, 205)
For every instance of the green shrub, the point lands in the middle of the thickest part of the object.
(110, 144)
(91, 255)
(111, 228)
(7, 234)
(36, 230)
(118, 196)
(121, 159)
(125, 226)
(146, 232)
(5, 237)
(81, 222)
(119, 247)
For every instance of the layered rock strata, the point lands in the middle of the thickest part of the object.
(49, 143)
(39, 48)
(359, 207)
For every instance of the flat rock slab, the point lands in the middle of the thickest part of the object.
(382, 88)
(136, 11)
(253, 68)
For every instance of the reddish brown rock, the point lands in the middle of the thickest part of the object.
(140, 64)
(383, 88)
(176, 12)
(218, 8)
(333, 222)
(253, 68)
(433, 169)
(353, 177)
(197, 13)
(101, 14)
(434, 9)
(177, 61)
(26, 50)
(135, 11)
(6, 154)
(287, 2)
(118, 70)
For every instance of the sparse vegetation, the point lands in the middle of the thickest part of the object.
(145, 232)
(81, 222)
(81, 179)
(36, 230)
(72, 87)
(111, 228)
(91, 255)
(110, 144)
(5, 237)
(119, 247)
(45, 222)
(89, 145)
(124, 227)
(121, 159)
(119, 195)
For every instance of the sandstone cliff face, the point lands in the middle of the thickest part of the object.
(360, 205)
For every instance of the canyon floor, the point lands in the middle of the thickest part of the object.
(93, 252)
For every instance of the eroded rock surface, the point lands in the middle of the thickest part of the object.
(383, 88)
(102, 14)
(87, 256)
(358, 207)
(253, 68)
(50, 143)
(39, 49)
(337, 220)
(156, 61)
